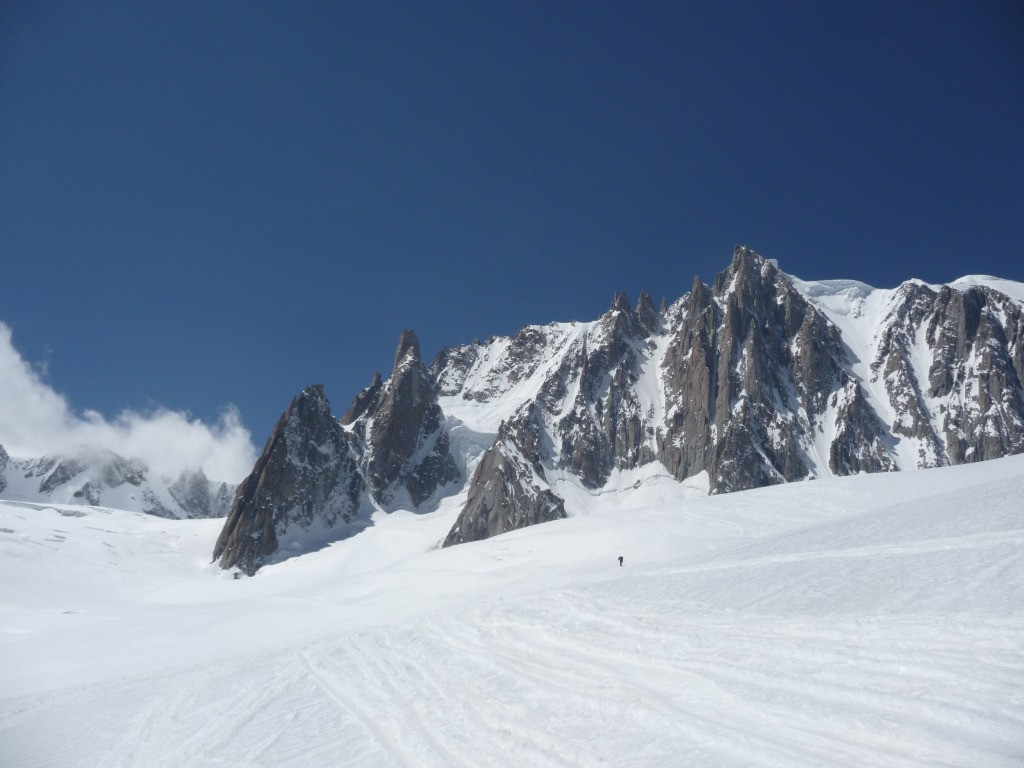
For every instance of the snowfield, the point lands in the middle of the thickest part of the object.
(863, 621)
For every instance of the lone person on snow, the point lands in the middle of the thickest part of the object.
(620, 561)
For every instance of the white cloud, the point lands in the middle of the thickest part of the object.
(35, 421)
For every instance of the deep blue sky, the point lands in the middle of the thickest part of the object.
(203, 203)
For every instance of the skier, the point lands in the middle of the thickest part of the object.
(620, 561)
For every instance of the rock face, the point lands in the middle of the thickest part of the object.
(317, 475)
(506, 492)
(306, 478)
(407, 452)
(751, 380)
(99, 477)
(951, 364)
(755, 379)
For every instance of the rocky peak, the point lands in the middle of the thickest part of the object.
(406, 446)
(4, 458)
(620, 303)
(508, 490)
(698, 299)
(748, 375)
(745, 268)
(408, 346)
(364, 401)
(647, 317)
(198, 496)
(973, 369)
(304, 479)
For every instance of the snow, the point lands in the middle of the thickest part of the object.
(650, 386)
(488, 396)
(862, 314)
(1011, 288)
(872, 620)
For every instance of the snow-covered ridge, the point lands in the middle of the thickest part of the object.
(1010, 288)
(846, 297)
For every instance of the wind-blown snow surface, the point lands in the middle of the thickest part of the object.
(864, 621)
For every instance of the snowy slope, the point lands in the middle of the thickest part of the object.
(873, 620)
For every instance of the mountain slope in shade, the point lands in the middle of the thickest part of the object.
(320, 478)
(756, 379)
(304, 481)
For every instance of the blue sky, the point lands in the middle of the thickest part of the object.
(211, 203)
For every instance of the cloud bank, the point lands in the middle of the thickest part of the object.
(35, 421)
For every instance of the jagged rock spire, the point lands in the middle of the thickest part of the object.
(305, 477)
(620, 303)
(408, 343)
(404, 421)
(646, 315)
(364, 401)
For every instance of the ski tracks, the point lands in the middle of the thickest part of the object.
(580, 676)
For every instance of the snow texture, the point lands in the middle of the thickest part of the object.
(873, 620)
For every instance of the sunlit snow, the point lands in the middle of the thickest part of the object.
(864, 621)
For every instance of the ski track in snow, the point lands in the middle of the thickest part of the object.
(875, 621)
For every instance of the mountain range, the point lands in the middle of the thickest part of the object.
(756, 379)
(92, 476)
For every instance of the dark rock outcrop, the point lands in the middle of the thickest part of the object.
(507, 492)
(365, 401)
(605, 426)
(305, 478)
(690, 375)
(406, 447)
(780, 364)
(316, 473)
(894, 363)
(4, 458)
(969, 403)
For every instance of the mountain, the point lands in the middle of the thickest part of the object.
(304, 480)
(317, 473)
(93, 476)
(756, 379)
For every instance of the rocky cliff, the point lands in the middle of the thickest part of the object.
(319, 478)
(507, 491)
(753, 379)
(406, 453)
(304, 481)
